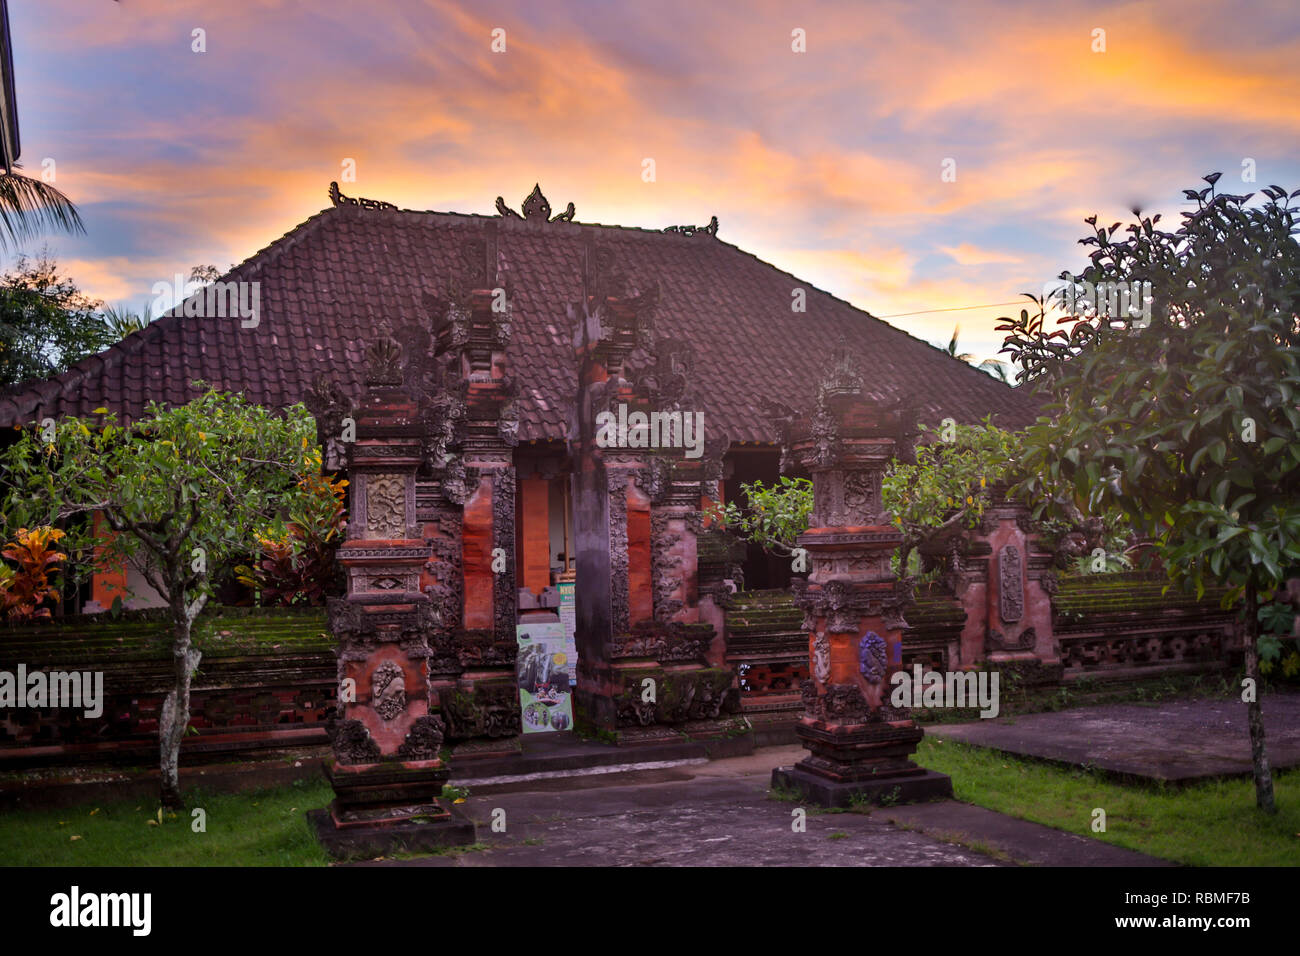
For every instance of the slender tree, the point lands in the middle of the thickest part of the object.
(184, 489)
(1179, 407)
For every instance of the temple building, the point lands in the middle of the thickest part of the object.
(527, 406)
(735, 330)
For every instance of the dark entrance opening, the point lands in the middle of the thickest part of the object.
(758, 463)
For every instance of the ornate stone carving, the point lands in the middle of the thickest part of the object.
(688, 695)
(329, 405)
(424, 739)
(490, 710)
(352, 742)
(535, 208)
(636, 711)
(385, 582)
(477, 649)
(710, 230)
(386, 506)
(338, 199)
(872, 657)
(674, 642)
(1024, 641)
(444, 565)
(351, 618)
(388, 691)
(843, 607)
(665, 569)
(825, 434)
(1011, 588)
(843, 377)
(505, 597)
(384, 356)
(860, 503)
(618, 560)
(839, 702)
(821, 659)
(1204, 644)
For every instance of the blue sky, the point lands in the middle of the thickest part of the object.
(826, 163)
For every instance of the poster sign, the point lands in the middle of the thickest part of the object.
(545, 670)
(569, 616)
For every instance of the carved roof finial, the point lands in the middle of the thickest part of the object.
(338, 199)
(535, 208)
(710, 230)
(843, 376)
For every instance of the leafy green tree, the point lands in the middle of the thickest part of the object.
(957, 471)
(775, 517)
(46, 323)
(1185, 420)
(185, 490)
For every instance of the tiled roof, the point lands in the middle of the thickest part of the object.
(333, 278)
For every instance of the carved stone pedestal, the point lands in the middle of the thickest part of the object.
(859, 745)
(385, 807)
(861, 762)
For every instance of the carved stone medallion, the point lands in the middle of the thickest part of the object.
(388, 691)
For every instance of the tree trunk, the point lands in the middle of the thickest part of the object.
(1254, 712)
(175, 717)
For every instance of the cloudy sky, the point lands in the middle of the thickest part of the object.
(828, 163)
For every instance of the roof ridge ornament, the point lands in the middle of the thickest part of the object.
(384, 357)
(338, 199)
(843, 375)
(710, 230)
(535, 207)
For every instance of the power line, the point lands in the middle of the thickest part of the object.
(962, 308)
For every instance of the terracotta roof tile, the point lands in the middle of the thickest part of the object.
(330, 280)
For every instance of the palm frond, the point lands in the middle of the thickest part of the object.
(32, 207)
(123, 322)
(999, 369)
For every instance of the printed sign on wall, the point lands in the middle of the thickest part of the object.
(544, 671)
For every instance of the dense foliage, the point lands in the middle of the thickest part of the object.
(775, 516)
(184, 489)
(1185, 421)
(27, 587)
(46, 323)
(297, 567)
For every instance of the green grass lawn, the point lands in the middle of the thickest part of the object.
(1209, 824)
(257, 828)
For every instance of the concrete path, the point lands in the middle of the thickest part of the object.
(720, 814)
(1175, 741)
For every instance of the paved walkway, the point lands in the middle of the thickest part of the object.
(719, 814)
(1178, 741)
